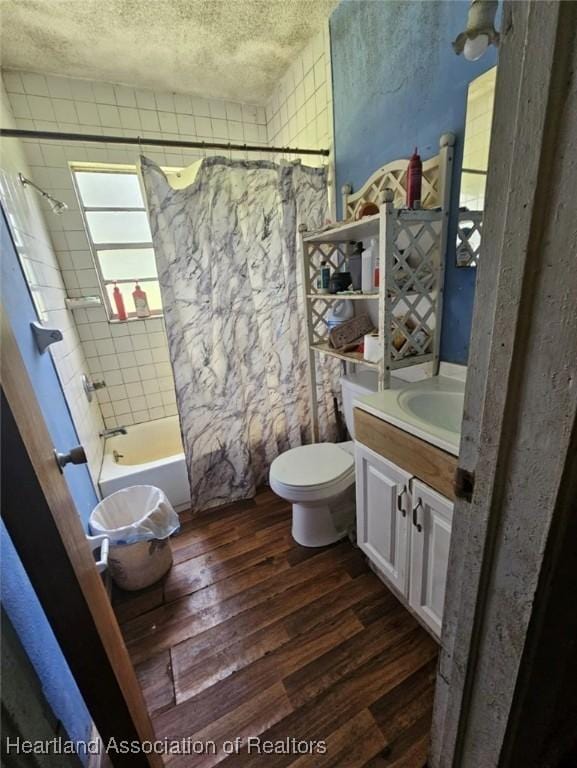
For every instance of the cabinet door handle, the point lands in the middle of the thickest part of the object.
(400, 506)
(416, 523)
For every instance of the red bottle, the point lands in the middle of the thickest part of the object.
(119, 301)
(414, 179)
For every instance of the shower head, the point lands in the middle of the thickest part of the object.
(57, 206)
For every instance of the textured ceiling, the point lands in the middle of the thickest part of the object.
(232, 49)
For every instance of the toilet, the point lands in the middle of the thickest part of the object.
(319, 479)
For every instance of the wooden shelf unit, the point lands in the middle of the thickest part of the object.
(347, 231)
(349, 357)
(411, 259)
(340, 296)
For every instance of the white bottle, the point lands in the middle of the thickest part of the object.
(140, 302)
(367, 268)
(340, 312)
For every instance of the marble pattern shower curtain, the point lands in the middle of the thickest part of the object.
(226, 249)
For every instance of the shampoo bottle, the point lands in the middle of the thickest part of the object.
(140, 302)
(119, 302)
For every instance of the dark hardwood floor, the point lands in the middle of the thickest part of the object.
(253, 635)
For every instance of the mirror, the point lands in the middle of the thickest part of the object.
(480, 98)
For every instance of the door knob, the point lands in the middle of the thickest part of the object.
(75, 455)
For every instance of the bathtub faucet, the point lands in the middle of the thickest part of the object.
(112, 431)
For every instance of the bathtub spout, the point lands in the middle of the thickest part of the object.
(112, 431)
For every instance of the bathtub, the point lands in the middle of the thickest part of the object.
(150, 454)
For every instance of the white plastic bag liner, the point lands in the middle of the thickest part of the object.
(138, 513)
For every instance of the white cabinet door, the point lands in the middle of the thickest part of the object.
(431, 519)
(383, 515)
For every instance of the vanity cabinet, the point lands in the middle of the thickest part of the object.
(404, 528)
(431, 519)
(382, 510)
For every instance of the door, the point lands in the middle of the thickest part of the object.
(42, 511)
(431, 520)
(19, 308)
(47, 534)
(382, 515)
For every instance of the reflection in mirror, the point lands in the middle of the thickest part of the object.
(474, 172)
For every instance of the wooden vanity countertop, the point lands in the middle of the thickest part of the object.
(426, 462)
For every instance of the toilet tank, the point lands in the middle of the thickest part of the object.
(356, 385)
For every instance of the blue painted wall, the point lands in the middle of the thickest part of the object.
(398, 84)
(17, 594)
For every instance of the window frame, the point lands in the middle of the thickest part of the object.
(95, 247)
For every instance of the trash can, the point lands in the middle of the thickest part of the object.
(138, 521)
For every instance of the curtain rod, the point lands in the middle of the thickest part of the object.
(17, 133)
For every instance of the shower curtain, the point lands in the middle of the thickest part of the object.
(226, 248)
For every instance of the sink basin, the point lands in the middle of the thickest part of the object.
(430, 409)
(441, 409)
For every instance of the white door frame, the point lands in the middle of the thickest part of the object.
(521, 394)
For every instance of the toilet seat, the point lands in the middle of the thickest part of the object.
(319, 479)
(313, 472)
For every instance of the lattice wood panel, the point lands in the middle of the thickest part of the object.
(335, 255)
(469, 236)
(319, 316)
(412, 284)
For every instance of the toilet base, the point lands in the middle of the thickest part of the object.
(313, 526)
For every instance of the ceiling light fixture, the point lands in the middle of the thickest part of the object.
(480, 32)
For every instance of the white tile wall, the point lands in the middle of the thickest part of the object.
(300, 112)
(41, 267)
(131, 357)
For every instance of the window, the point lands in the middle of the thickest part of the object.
(117, 226)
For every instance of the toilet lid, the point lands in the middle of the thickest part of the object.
(310, 465)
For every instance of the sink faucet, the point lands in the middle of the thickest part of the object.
(112, 431)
